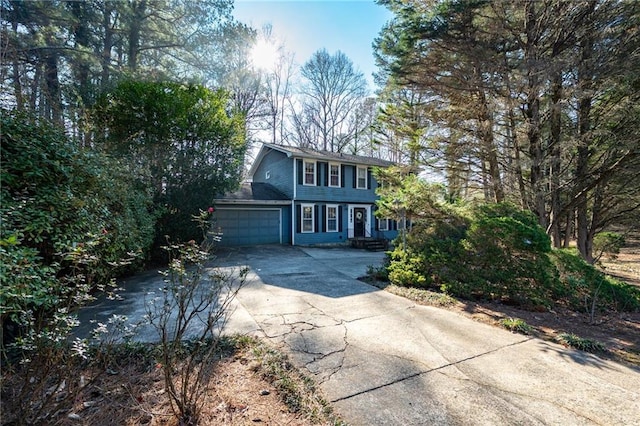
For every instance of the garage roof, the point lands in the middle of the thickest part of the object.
(254, 193)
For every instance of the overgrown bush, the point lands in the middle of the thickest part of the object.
(499, 252)
(585, 288)
(70, 220)
(506, 250)
(496, 251)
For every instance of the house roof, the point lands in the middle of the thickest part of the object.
(254, 193)
(294, 151)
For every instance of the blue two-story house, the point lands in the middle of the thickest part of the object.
(301, 196)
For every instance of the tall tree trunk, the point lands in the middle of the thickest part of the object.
(52, 99)
(17, 85)
(489, 149)
(585, 239)
(107, 46)
(532, 113)
(555, 214)
(138, 9)
(517, 162)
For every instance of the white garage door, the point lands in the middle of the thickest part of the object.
(245, 227)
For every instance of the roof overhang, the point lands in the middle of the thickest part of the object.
(223, 202)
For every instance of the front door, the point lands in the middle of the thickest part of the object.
(359, 217)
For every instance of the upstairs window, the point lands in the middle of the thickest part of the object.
(361, 181)
(334, 175)
(309, 173)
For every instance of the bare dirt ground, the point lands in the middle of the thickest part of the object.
(247, 388)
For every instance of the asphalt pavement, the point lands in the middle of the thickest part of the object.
(383, 360)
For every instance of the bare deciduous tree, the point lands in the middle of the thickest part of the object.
(332, 89)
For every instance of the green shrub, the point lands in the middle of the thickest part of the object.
(608, 243)
(70, 220)
(516, 325)
(406, 269)
(580, 282)
(580, 343)
(500, 252)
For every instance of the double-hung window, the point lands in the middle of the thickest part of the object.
(383, 224)
(309, 172)
(334, 175)
(332, 218)
(308, 218)
(361, 181)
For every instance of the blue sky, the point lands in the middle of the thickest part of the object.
(306, 26)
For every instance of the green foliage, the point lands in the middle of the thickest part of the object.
(379, 273)
(516, 325)
(499, 252)
(580, 343)
(493, 251)
(608, 243)
(506, 250)
(404, 193)
(580, 282)
(185, 138)
(69, 218)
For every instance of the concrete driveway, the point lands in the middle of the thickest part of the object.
(383, 360)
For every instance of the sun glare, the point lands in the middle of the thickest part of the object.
(264, 55)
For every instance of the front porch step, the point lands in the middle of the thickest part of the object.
(371, 244)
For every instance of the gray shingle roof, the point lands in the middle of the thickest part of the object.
(254, 191)
(329, 156)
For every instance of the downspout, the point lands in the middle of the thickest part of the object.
(293, 203)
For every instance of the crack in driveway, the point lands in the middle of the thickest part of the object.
(435, 369)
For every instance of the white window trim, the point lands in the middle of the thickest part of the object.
(304, 172)
(333, 206)
(358, 168)
(339, 175)
(313, 218)
(386, 224)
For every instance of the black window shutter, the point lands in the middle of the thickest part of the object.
(340, 218)
(323, 219)
(318, 174)
(300, 171)
(368, 178)
(342, 175)
(298, 218)
(326, 174)
(377, 224)
(355, 176)
(316, 216)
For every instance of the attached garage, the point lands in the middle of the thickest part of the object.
(246, 226)
(255, 214)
